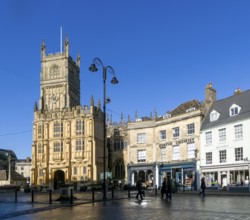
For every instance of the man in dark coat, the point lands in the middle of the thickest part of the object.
(203, 187)
(164, 188)
(139, 188)
(169, 188)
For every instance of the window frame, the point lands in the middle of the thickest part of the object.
(58, 129)
(208, 137)
(239, 154)
(79, 145)
(191, 150)
(79, 127)
(176, 132)
(238, 131)
(141, 156)
(176, 152)
(209, 158)
(190, 129)
(141, 138)
(223, 156)
(222, 135)
(162, 135)
(57, 147)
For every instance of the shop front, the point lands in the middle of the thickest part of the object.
(230, 175)
(145, 172)
(184, 175)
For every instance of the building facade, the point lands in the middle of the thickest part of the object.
(67, 138)
(168, 146)
(225, 141)
(23, 167)
(117, 148)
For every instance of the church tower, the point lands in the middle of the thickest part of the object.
(59, 80)
(67, 138)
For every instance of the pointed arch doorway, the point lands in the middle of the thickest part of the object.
(59, 179)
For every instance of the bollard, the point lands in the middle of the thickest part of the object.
(16, 195)
(32, 195)
(156, 190)
(112, 192)
(93, 195)
(129, 191)
(71, 196)
(50, 196)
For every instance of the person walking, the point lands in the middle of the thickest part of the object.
(169, 188)
(139, 188)
(203, 187)
(164, 188)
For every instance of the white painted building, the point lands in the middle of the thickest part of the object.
(23, 167)
(225, 141)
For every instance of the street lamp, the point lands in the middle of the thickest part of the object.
(105, 69)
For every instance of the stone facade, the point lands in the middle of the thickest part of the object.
(67, 138)
(117, 146)
(169, 145)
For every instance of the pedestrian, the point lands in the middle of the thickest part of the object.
(203, 187)
(169, 188)
(164, 188)
(139, 188)
(176, 186)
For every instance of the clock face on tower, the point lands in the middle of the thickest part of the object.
(54, 98)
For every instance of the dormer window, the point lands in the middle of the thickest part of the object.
(234, 110)
(190, 109)
(214, 115)
(166, 116)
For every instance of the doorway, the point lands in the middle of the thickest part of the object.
(59, 179)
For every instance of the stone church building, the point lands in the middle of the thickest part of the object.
(67, 138)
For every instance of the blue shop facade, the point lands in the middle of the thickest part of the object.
(184, 174)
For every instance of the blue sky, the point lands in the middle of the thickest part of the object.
(163, 53)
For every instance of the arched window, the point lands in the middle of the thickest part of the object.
(79, 127)
(58, 129)
(57, 147)
(54, 72)
(79, 144)
(84, 170)
(119, 169)
(40, 149)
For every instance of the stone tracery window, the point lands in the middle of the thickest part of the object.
(54, 72)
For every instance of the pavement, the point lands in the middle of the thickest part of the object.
(184, 205)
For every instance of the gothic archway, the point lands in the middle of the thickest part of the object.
(59, 179)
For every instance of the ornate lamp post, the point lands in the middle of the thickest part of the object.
(105, 69)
